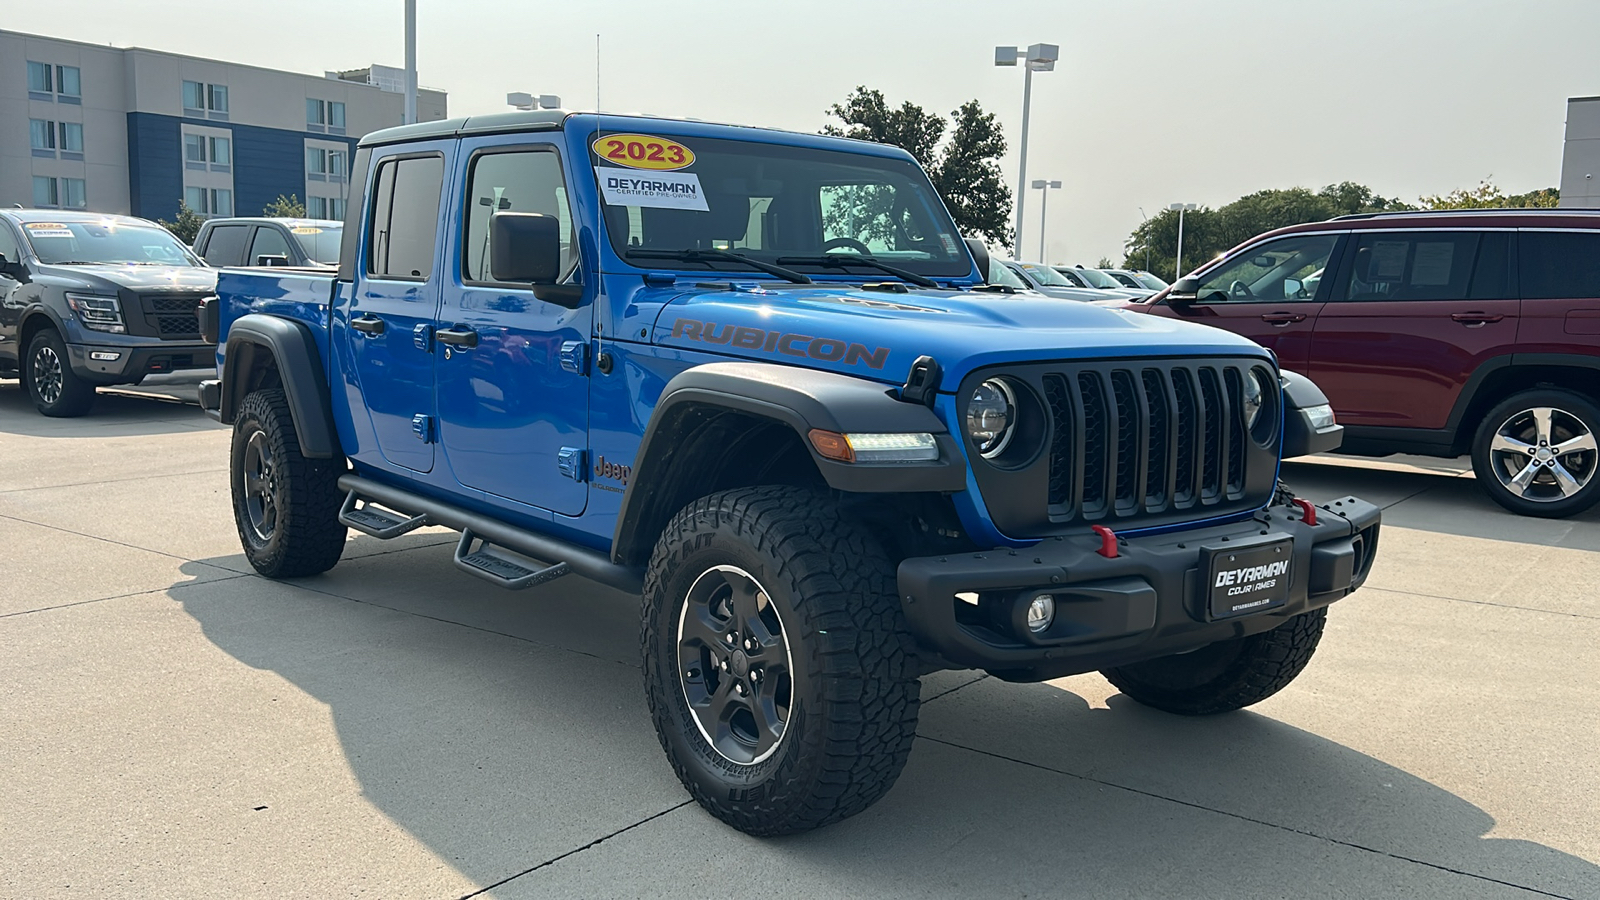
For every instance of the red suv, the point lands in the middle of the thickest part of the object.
(1437, 333)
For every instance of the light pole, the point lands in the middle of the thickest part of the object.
(411, 62)
(1039, 58)
(1180, 208)
(1145, 218)
(1044, 204)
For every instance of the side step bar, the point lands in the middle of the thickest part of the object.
(576, 559)
(510, 574)
(378, 523)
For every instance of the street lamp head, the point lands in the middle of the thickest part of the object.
(1006, 56)
(1038, 183)
(1176, 207)
(1043, 53)
(1055, 184)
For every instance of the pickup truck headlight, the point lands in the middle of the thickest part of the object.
(1320, 417)
(991, 417)
(98, 313)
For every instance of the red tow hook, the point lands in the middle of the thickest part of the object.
(1309, 512)
(1108, 541)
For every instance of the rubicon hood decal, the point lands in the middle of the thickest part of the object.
(791, 343)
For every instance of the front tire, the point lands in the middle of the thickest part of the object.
(780, 672)
(55, 389)
(1224, 676)
(285, 505)
(1535, 453)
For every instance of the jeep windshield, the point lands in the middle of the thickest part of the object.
(109, 243)
(773, 204)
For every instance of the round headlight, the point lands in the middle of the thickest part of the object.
(991, 417)
(1254, 394)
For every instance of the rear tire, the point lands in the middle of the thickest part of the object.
(55, 389)
(1554, 479)
(807, 715)
(1224, 676)
(285, 505)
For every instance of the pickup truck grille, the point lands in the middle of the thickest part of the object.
(170, 317)
(1129, 444)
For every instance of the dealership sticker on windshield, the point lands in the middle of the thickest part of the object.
(641, 151)
(659, 190)
(305, 229)
(47, 229)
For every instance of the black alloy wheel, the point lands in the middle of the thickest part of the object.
(56, 390)
(734, 665)
(285, 506)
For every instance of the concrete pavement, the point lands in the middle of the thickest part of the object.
(173, 726)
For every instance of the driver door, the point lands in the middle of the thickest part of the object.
(1270, 293)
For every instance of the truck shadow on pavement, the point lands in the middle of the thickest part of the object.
(505, 732)
(117, 411)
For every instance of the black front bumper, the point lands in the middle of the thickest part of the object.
(1148, 601)
(128, 363)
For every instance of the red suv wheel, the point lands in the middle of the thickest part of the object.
(1535, 453)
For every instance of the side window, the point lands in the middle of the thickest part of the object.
(269, 241)
(520, 181)
(1289, 268)
(8, 244)
(225, 247)
(1409, 265)
(1558, 264)
(405, 217)
(1491, 276)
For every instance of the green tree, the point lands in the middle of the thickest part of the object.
(965, 169)
(1487, 196)
(288, 207)
(186, 225)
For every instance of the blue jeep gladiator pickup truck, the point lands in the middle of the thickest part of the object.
(757, 377)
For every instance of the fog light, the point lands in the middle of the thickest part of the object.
(104, 356)
(1320, 417)
(1041, 612)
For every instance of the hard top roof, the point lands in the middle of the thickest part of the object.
(291, 222)
(25, 216)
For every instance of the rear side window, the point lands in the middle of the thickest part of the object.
(1413, 265)
(1556, 264)
(8, 244)
(225, 247)
(268, 241)
(405, 217)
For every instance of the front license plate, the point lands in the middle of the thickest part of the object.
(1248, 579)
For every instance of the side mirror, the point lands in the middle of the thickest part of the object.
(1184, 290)
(272, 259)
(1291, 289)
(524, 248)
(10, 268)
(980, 255)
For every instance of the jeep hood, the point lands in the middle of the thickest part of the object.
(877, 334)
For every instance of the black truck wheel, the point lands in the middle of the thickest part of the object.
(55, 389)
(286, 506)
(1224, 676)
(1535, 453)
(780, 673)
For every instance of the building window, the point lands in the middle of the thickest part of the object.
(194, 149)
(74, 194)
(42, 135)
(221, 151)
(71, 137)
(194, 98)
(316, 207)
(209, 201)
(316, 112)
(69, 84)
(39, 80)
(217, 98)
(336, 208)
(316, 161)
(335, 114)
(44, 192)
(336, 167)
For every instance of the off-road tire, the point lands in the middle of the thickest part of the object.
(1224, 676)
(72, 396)
(306, 537)
(1576, 406)
(853, 714)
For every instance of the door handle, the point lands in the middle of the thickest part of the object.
(367, 324)
(1475, 319)
(464, 337)
(1281, 319)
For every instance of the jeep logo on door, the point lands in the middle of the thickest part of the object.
(788, 343)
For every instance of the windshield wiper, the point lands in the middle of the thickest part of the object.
(840, 261)
(706, 255)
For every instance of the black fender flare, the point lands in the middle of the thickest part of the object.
(1300, 437)
(300, 369)
(802, 399)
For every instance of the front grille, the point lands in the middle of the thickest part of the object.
(172, 317)
(1131, 444)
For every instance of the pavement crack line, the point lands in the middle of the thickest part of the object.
(964, 684)
(96, 537)
(1532, 609)
(52, 487)
(28, 612)
(1244, 818)
(594, 843)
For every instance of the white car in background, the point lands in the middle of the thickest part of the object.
(1050, 282)
(1094, 278)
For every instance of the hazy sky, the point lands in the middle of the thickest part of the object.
(1154, 101)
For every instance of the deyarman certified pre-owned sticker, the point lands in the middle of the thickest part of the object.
(641, 151)
(47, 229)
(661, 190)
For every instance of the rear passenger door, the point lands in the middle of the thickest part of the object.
(225, 245)
(1560, 279)
(269, 241)
(388, 328)
(1414, 313)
